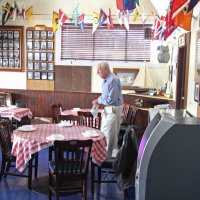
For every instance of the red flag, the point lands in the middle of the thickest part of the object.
(102, 17)
(170, 26)
(177, 6)
(184, 19)
(81, 21)
(110, 20)
(62, 17)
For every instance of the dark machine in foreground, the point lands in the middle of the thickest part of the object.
(168, 165)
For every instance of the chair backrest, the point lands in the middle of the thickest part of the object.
(20, 104)
(5, 138)
(2, 99)
(72, 157)
(89, 120)
(125, 111)
(131, 115)
(56, 110)
(76, 120)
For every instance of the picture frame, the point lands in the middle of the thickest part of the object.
(127, 77)
(5, 44)
(16, 44)
(30, 56)
(29, 34)
(50, 46)
(10, 34)
(5, 62)
(11, 62)
(37, 56)
(36, 34)
(17, 62)
(50, 35)
(16, 53)
(37, 75)
(5, 34)
(43, 45)
(16, 35)
(10, 53)
(44, 76)
(50, 75)
(43, 56)
(43, 66)
(10, 44)
(36, 45)
(29, 45)
(30, 66)
(29, 75)
(43, 35)
(50, 56)
(5, 53)
(50, 66)
(196, 92)
(36, 66)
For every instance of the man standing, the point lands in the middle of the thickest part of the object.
(112, 101)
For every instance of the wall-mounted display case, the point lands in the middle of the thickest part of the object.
(11, 48)
(40, 53)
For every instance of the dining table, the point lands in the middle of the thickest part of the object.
(40, 136)
(13, 112)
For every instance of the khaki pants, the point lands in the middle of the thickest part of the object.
(110, 126)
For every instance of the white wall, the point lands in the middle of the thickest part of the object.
(17, 80)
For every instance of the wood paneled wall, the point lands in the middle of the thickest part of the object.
(39, 101)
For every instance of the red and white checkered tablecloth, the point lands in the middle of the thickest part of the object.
(27, 143)
(15, 113)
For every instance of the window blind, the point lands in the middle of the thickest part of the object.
(114, 44)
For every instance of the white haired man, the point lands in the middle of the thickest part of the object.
(112, 101)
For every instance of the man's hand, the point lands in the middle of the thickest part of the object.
(95, 102)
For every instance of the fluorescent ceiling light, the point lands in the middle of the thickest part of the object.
(161, 6)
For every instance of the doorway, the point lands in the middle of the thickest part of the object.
(182, 71)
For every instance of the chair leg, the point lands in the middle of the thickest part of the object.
(92, 178)
(7, 168)
(125, 193)
(3, 165)
(30, 165)
(99, 175)
(85, 189)
(36, 165)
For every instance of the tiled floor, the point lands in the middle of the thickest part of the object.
(15, 188)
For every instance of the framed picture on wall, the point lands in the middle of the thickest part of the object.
(36, 66)
(29, 34)
(43, 45)
(43, 34)
(51, 66)
(30, 66)
(30, 75)
(37, 75)
(50, 75)
(44, 75)
(127, 77)
(50, 45)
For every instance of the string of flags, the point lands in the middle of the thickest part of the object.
(179, 14)
(9, 10)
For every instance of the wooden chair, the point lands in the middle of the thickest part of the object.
(25, 120)
(130, 120)
(76, 120)
(8, 159)
(21, 104)
(2, 99)
(56, 109)
(89, 121)
(125, 110)
(68, 172)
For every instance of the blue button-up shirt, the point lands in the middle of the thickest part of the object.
(111, 91)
